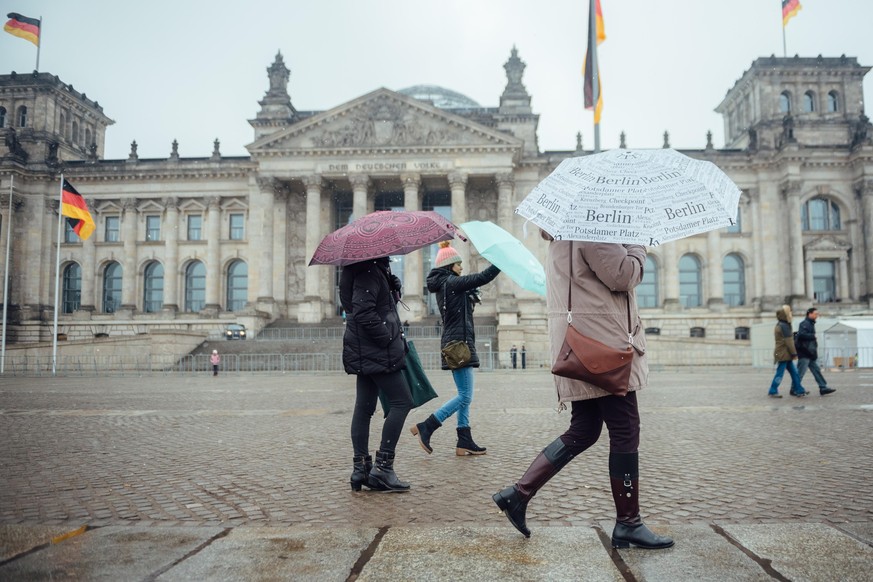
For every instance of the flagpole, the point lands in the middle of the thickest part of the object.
(57, 277)
(595, 73)
(38, 46)
(6, 275)
(784, 45)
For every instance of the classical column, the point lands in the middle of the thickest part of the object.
(213, 254)
(262, 229)
(843, 283)
(89, 257)
(754, 212)
(671, 277)
(715, 274)
(360, 186)
(791, 190)
(458, 185)
(864, 190)
(413, 277)
(310, 311)
(128, 239)
(505, 187)
(171, 256)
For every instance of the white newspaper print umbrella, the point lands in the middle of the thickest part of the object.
(645, 197)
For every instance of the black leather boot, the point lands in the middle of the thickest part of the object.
(382, 476)
(513, 500)
(629, 527)
(466, 446)
(361, 472)
(424, 430)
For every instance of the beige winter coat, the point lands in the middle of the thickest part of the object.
(602, 273)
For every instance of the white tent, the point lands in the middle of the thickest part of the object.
(848, 343)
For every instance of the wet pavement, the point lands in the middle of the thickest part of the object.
(246, 477)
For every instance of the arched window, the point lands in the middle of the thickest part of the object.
(153, 287)
(22, 116)
(820, 214)
(75, 132)
(111, 287)
(833, 102)
(2, 117)
(690, 288)
(72, 288)
(195, 286)
(237, 285)
(647, 290)
(734, 274)
(785, 102)
(808, 102)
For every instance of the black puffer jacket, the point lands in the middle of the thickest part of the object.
(807, 345)
(373, 342)
(457, 306)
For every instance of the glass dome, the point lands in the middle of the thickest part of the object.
(440, 96)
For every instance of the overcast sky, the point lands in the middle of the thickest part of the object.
(194, 70)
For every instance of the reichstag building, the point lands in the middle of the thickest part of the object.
(191, 244)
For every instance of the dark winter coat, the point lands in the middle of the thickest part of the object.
(373, 342)
(456, 295)
(784, 337)
(807, 345)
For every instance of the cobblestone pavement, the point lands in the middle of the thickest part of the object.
(275, 451)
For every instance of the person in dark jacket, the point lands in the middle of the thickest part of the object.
(807, 352)
(374, 350)
(784, 355)
(456, 297)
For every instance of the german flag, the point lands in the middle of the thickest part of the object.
(23, 27)
(790, 8)
(596, 35)
(74, 208)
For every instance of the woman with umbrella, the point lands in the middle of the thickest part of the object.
(456, 297)
(597, 280)
(374, 349)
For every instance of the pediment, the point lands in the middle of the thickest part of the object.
(827, 243)
(384, 119)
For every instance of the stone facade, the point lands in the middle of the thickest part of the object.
(219, 239)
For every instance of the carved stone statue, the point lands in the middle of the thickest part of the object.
(788, 129)
(279, 75)
(15, 149)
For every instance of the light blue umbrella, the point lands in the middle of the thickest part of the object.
(507, 253)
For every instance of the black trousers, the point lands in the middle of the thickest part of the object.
(396, 392)
(622, 418)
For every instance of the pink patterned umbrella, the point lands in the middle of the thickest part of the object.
(381, 234)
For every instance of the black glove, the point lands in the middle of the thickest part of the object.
(396, 285)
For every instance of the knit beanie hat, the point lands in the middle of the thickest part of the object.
(447, 255)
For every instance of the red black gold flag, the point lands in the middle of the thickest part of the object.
(74, 208)
(596, 34)
(790, 8)
(23, 27)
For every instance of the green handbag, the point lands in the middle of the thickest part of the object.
(419, 385)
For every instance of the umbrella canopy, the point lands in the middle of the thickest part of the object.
(508, 254)
(381, 234)
(645, 197)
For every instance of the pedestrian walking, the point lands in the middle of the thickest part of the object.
(457, 295)
(513, 356)
(601, 290)
(215, 359)
(374, 350)
(523, 357)
(784, 355)
(807, 352)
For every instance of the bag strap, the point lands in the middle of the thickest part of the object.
(570, 298)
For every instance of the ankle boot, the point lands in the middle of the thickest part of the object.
(424, 430)
(629, 527)
(466, 446)
(361, 472)
(382, 476)
(513, 500)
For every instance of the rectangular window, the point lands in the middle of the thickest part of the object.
(824, 281)
(195, 226)
(153, 228)
(111, 232)
(237, 227)
(69, 234)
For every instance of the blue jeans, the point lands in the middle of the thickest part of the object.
(803, 364)
(460, 403)
(780, 371)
